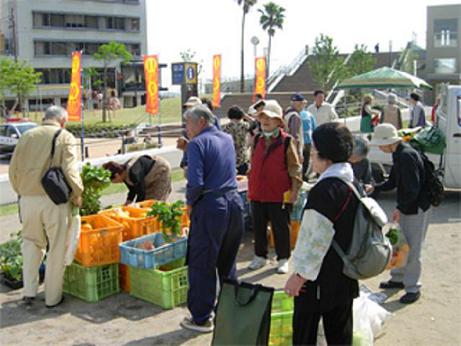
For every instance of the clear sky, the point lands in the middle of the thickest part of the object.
(214, 27)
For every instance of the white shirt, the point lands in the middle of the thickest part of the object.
(324, 114)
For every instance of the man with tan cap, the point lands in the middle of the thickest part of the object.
(413, 206)
(45, 223)
(275, 170)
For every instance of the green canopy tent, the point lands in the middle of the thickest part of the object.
(384, 77)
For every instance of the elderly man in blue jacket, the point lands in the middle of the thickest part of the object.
(215, 212)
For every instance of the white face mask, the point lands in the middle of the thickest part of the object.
(274, 133)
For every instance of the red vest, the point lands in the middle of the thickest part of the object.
(269, 178)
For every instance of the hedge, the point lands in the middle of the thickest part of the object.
(99, 130)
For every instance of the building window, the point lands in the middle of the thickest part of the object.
(75, 21)
(42, 48)
(91, 22)
(133, 24)
(57, 20)
(134, 48)
(445, 66)
(446, 33)
(115, 23)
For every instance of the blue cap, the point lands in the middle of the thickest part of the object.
(297, 97)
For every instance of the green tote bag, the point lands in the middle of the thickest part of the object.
(243, 315)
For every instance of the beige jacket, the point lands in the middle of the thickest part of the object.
(31, 159)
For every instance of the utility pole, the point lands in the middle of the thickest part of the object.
(13, 27)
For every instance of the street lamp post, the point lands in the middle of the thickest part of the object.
(255, 42)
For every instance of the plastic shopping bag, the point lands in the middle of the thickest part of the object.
(400, 247)
(73, 237)
(369, 318)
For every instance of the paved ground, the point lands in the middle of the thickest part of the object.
(124, 320)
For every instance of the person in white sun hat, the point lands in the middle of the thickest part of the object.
(413, 207)
(275, 171)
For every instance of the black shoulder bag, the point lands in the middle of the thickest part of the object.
(54, 182)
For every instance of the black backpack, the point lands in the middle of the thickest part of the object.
(433, 183)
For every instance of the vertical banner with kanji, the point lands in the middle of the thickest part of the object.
(216, 100)
(74, 101)
(151, 77)
(260, 77)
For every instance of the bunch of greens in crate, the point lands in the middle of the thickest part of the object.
(11, 258)
(169, 214)
(95, 180)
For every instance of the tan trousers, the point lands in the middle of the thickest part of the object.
(44, 223)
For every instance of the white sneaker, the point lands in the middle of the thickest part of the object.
(188, 323)
(257, 263)
(282, 267)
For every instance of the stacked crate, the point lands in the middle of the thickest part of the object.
(94, 274)
(281, 331)
(135, 224)
(156, 272)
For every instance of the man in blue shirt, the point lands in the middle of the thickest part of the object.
(309, 125)
(215, 212)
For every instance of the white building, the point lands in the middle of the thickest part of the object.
(48, 31)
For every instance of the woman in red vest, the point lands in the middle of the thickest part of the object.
(275, 173)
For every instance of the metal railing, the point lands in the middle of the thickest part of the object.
(287, 70)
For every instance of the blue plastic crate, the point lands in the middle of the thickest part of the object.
(298, 207)
(131, 255)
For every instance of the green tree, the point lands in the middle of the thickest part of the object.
(246, 6)
(326, 65)
(110, 53)
(360, 62)
(19, 78)
(272, 17)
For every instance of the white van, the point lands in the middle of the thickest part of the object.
(449, 121)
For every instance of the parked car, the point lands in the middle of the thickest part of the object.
(10, 133)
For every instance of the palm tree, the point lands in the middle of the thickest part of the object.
(247, 4)
(272, 17)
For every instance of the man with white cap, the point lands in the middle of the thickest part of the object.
(413, 206)
(182, 141)
(275, 170)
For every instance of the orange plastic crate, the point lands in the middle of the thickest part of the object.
(98, 245)
(294, 230)
(124, 277)
(146, 205)
(136, 224)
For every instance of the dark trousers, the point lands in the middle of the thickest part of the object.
(306, 158)
(215, 234)
(337, 323)
(279, 217)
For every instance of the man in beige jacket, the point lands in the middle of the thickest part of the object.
(44, 223)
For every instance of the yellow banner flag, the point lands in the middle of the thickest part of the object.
(216, 100)
(74, 101)
(151, 77)
(260, 77)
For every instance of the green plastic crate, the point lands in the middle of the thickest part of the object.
(166, 286)
(282, 302)
(281, 331)
(91, 283)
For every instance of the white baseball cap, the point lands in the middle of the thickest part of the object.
(272, 109)
(384, 134)
(193, 101)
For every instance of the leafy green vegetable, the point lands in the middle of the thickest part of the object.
(169, 214)
(393, 235)
(11, 257)
(95, 180)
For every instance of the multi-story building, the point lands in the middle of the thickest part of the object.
(45, 33)
(443, 44)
